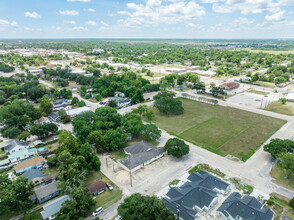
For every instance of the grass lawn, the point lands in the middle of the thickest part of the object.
(50, 171)
(106, 198)
(258, 92)
(278, 107)
(278, 173)
(280, 203)
(265, 84)
(116, 155)
(222, 130)
(138, 139)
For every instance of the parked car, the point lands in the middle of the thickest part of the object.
(148, 99)
(109, 186)
(118, 217)
(97, 211)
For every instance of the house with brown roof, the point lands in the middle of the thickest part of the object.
(36, 162)
(230, 85)
(97, 188)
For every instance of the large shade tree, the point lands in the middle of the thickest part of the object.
(144, 207)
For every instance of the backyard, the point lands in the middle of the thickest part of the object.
(106, 198)
(222, 130)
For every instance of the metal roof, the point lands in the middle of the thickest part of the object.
(46, 190)
(53, 207)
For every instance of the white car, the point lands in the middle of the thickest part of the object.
(118, 217)
(97, 211)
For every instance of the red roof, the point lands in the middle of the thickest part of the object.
(99, 186)
(229, 85)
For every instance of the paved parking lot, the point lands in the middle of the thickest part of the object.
(248, 99)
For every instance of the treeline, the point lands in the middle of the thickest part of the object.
(6, 68)
(19, 60)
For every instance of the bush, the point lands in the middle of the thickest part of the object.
(291, 203)
(283, 100)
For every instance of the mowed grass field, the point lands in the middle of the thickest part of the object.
(222, 130)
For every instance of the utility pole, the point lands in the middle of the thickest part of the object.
(178, 212)
(113, 165)
(106, 159)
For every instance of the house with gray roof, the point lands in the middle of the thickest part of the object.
(54, 116)
(35, 175)
(140, 155)
(46, 192)
(236, 207)
(15, 146)
(51, 208)
(198, 194)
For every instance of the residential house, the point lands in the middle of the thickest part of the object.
(51, 208)
(139, 155)
(59, 103)
(198, 194)
(74, 112)
(46, 192)
(43, 120)
(236, 207)
(15, 146)
(4, 162)
(38, 143)
(97, 188)
(62, 107)
(36, 162)
(19, 155)
(35, 175)
(54, 116)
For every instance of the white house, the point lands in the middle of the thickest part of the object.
(74, 112)
(15, 146)
(19, 155)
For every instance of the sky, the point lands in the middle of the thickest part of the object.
(167, 19)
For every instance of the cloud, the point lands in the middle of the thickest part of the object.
(91, 9)
(58, 28)
(69, 22)
(79, 0)
(91, 23)
(154, 12)
(68, 12)
(13, 23)
(80, 28)
(243, 21)
(6, 23)
(208, 1)
(32, 14)
(246, 6)
(279, 16)
(104, 24)
(194, 26)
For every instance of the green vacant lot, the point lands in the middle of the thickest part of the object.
(278, 107)
(222, 130)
